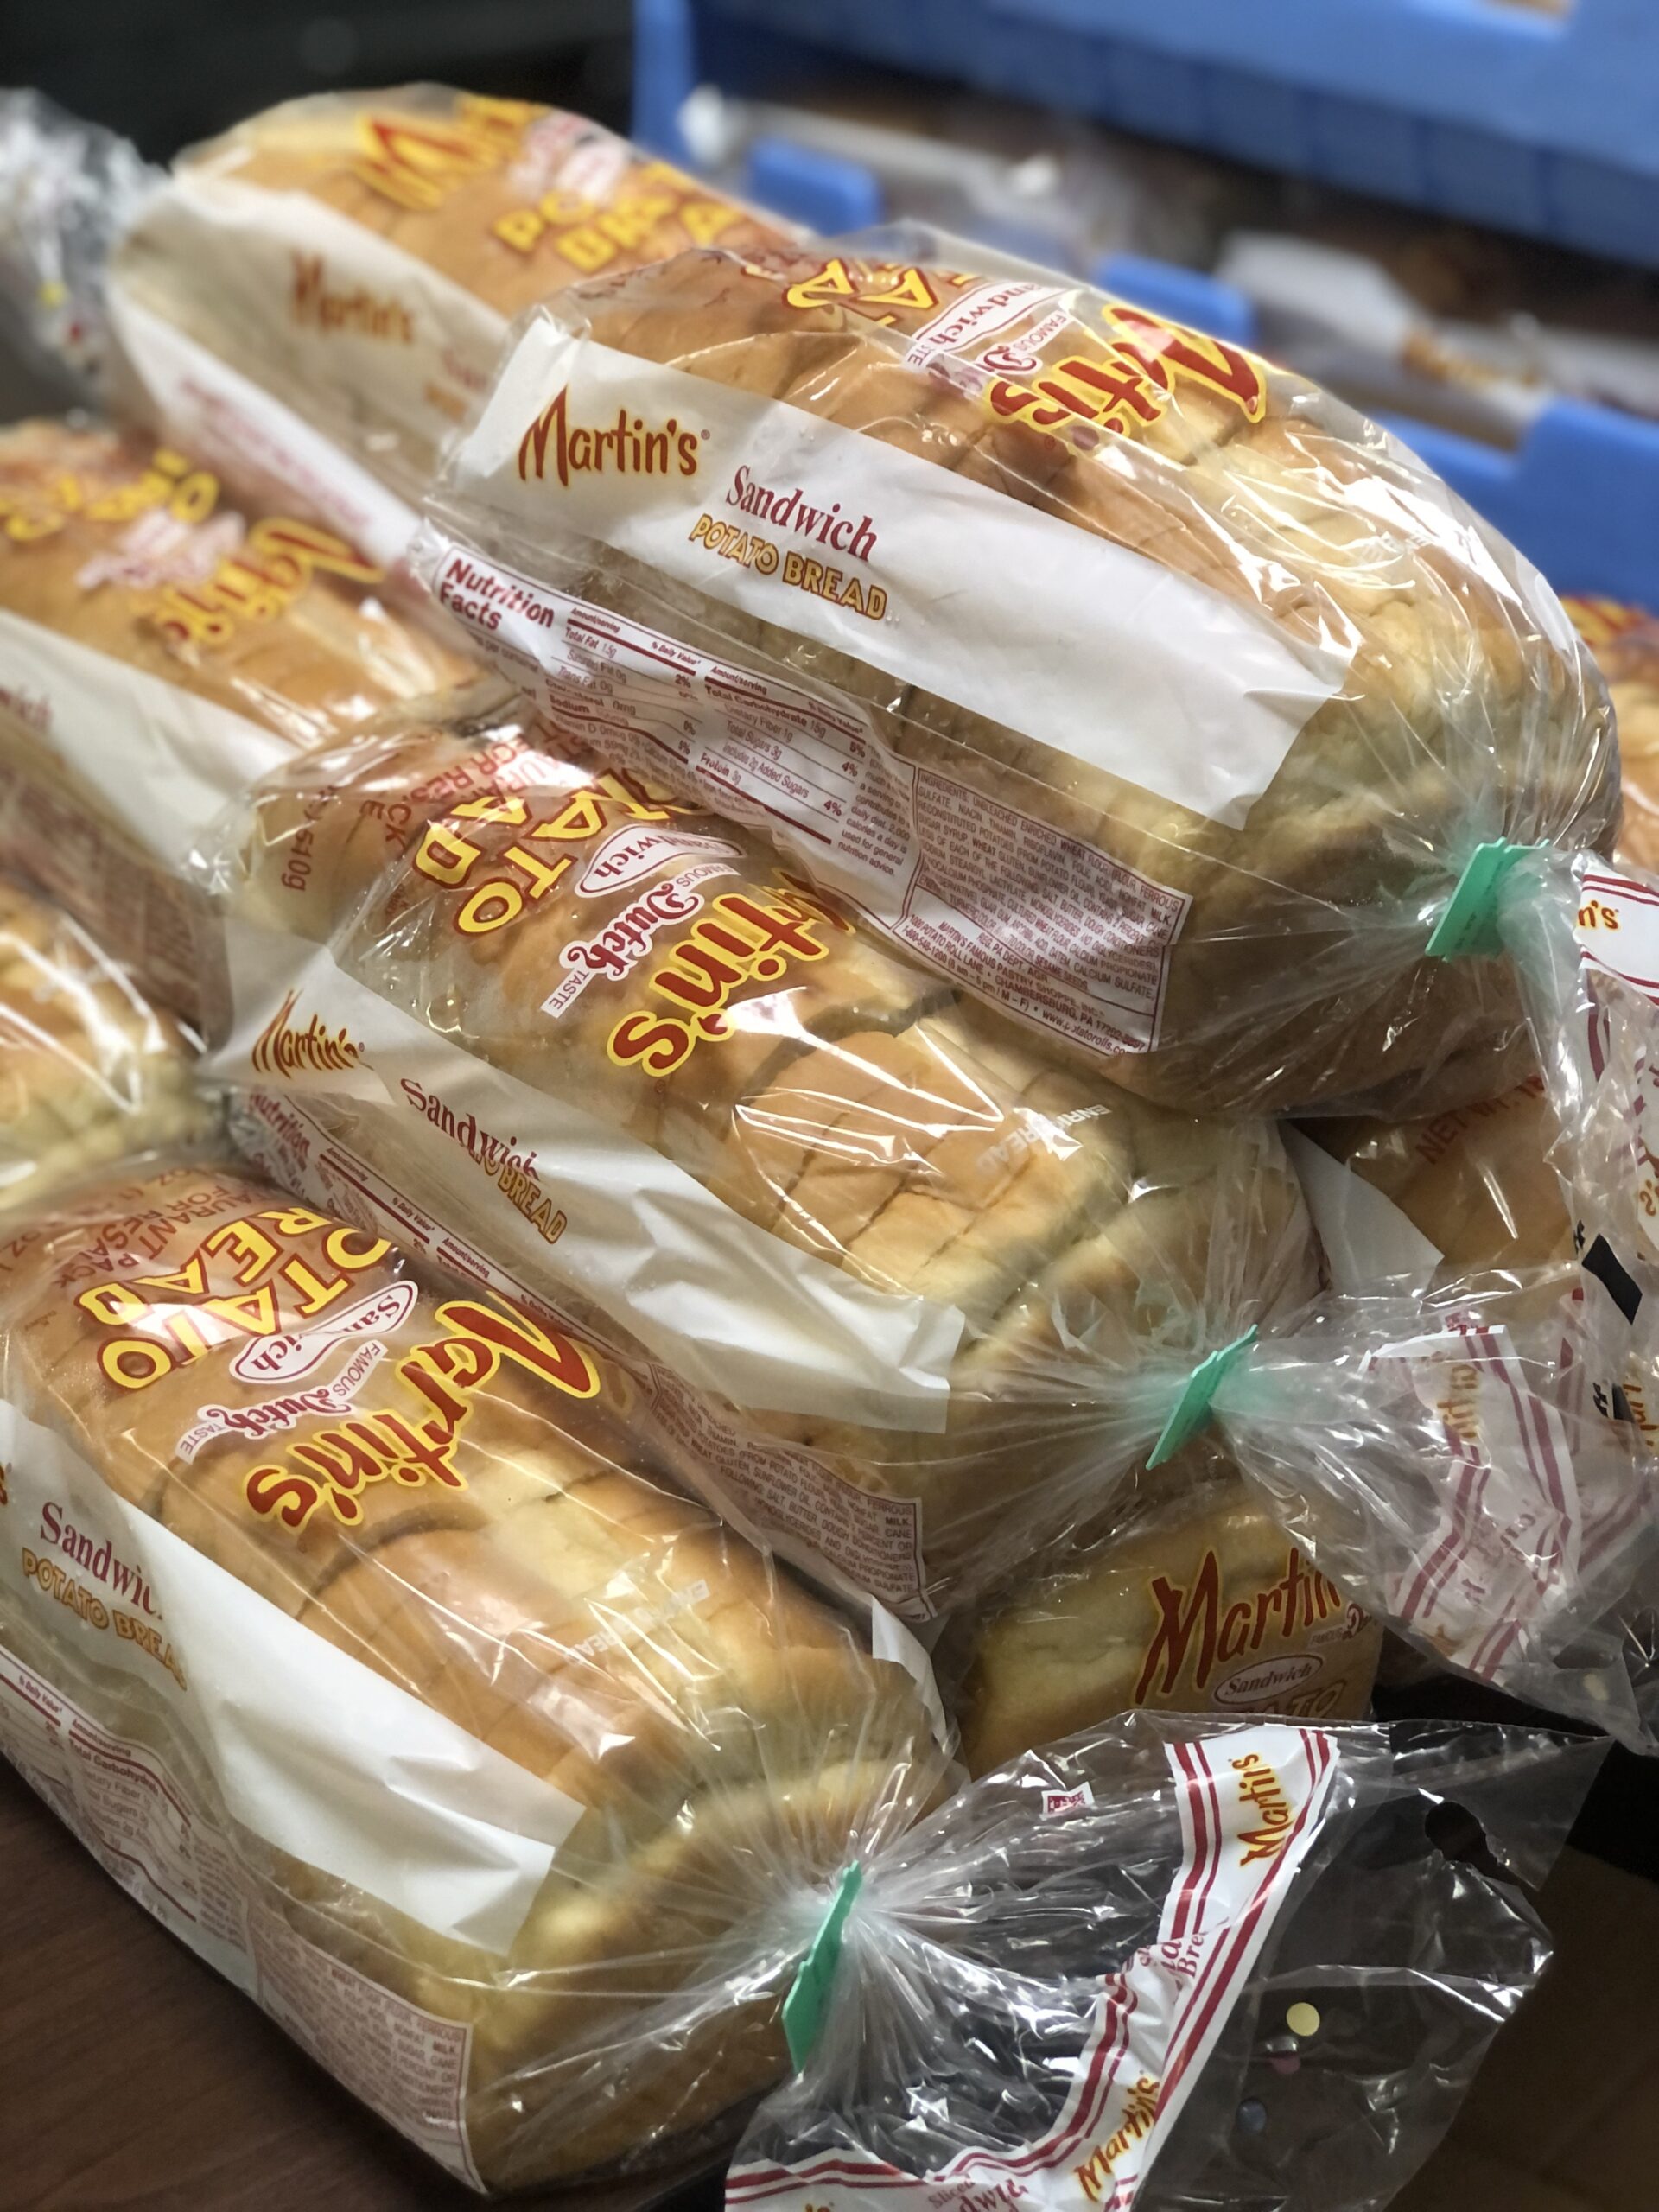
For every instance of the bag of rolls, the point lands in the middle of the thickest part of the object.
(89, 1069)
(159, 650)
(923, 1303)
(325, 288)
(356, 1626)
(1129, 682)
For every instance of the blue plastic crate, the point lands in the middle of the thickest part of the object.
(1581, 496)
(1547, 125)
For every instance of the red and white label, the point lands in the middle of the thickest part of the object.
(145, 1829)
(974, 316)
(1044, 924)
(1251, 1804)
(1618, 929)
(1510, 1536)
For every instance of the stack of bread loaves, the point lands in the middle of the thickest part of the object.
(754, 1153)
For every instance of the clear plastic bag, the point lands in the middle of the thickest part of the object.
(161, 650)
(1176, 1969)
(355, 1624)
(89, 1070)
(67, 190)
(611, 1040)
(1132, 683)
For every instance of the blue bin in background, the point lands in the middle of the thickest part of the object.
(1580, 496)
(1483, 109)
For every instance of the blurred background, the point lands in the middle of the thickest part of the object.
(164, 73)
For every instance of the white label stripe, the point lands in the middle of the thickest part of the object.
(1160, 681)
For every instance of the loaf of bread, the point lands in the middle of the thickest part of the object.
(358, 257)
(1198, 1603)
(1136, 685)
(1477, 1183)
(480, 1517)
(628, 957)
(1625, 642)
(89, 1070)
(158, 651)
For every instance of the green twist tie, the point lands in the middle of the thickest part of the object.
(1192, 1407)
(1468, 929)
(809, 1997)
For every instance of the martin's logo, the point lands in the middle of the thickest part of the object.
(1196, 1631)
(627, 447)
(280, 1049)
(1260, 1787)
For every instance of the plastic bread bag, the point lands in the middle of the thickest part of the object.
(356, 1624)
(1625, 642)
(327, 285)
(1194, 1600)
(159, 651)
(67, 190)
(612, 1042)
(1131, 682)
(925, 1304)
(1178, 1966)
(89, 1069)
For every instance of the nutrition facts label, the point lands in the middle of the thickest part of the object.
(141, 1824)
(875, 1540)
(1043, 923)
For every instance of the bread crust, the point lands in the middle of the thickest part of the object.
(89, 1069)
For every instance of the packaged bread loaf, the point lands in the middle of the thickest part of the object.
(616, 1043)
(1133, 684)
(89, 1070)
(345, 269)
(353, 1625)
(159, 650)
(1195, 1602)
(1466, 1201)
(921, 1301)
